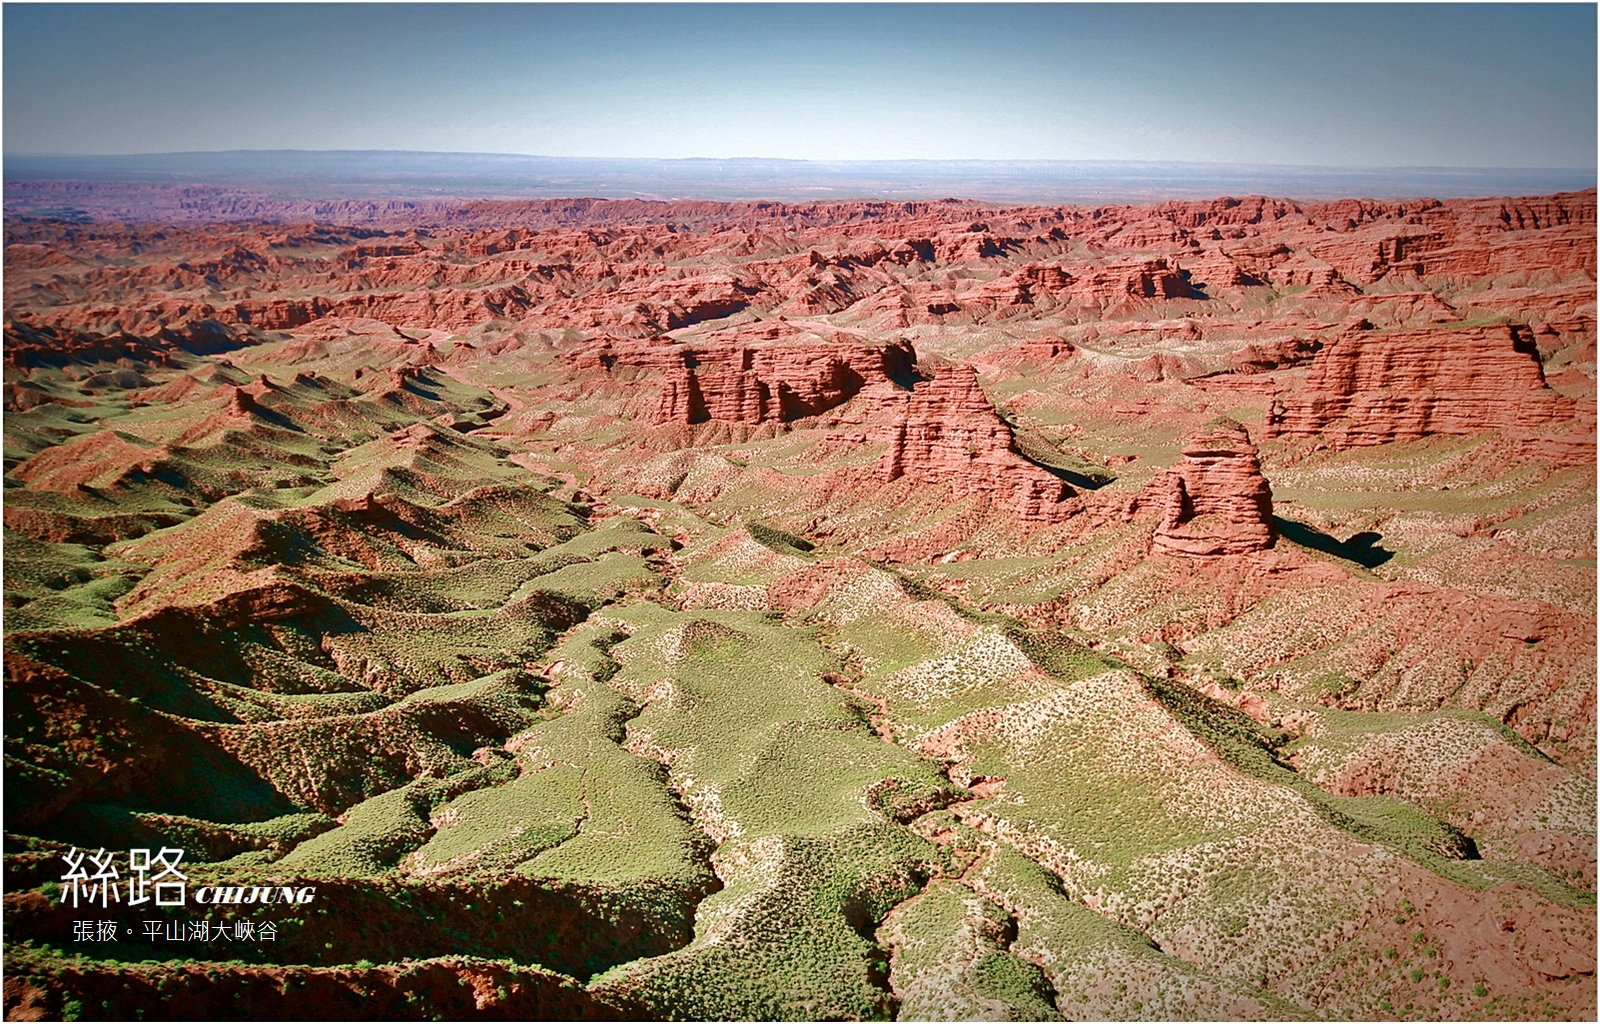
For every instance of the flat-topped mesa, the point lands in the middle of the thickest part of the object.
(775, 383)
(1215, 501)
(1369, 387)
(946, 432)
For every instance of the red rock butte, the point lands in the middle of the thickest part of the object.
(1215, 501)
(1367, 387)
(946, 432)
(770, 383)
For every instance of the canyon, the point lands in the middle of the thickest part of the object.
(624, 609)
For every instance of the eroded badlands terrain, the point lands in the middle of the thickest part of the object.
(833, 611)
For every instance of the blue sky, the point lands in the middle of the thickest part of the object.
(1478, 85)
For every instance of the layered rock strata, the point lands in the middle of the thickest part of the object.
(774, 384)
(945, 431)
(1369, 387)
(1215, 501)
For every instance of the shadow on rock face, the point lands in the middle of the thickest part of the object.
(1362, 549)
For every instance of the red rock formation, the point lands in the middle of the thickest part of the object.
(1254, 358)
(681, 400)
(621, 266)
(276, 314)
(1214, 502)
(619, 356)
(774, 383)
(1036, 351)
(1119, 284)
(95, 460)
(946, 432)
(734, 395)
(30, 345)
(1368, 387)
(974, 244)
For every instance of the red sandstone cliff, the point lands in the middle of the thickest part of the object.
(1215, 501)
(1368, 387)
(767, 383)
(946, 432)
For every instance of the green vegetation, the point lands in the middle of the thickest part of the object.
(951, 963)
(1099, 968)
(789, 937)
(778, 540)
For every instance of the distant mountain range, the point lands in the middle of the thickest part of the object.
(347, 173)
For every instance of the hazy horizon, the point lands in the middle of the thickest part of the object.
(1419, 86)
(333, 174)
(760, 159)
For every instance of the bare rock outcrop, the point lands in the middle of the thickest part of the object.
(1044, 351)
(1215, 501)
(776, 383)
(1368, 387)
(946, 432)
